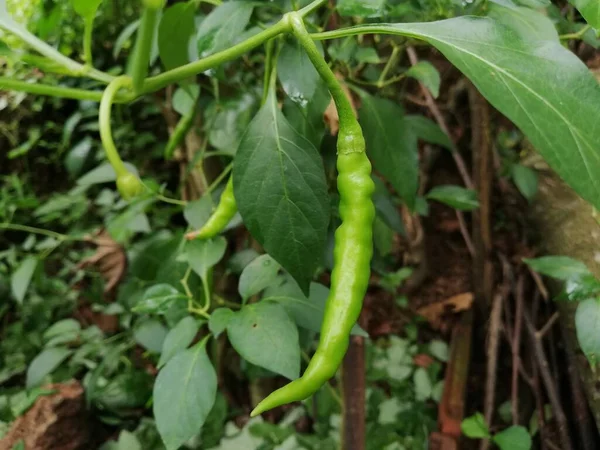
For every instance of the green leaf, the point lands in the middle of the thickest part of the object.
(86, 8)
(307, 119)
(184, 394)
(386, 208)
(127, 441)
(62, 327)
(280, 188)
(197, 212)
(21, 278)
(263, 334)
(104, 173)
(307, 312)
(227, 120)
(127, 390)
(427, 74)
(587, 324)
(590, 10)
(297, 75)
(219, 319)
(559, 267)
(391, 145)
(174, 32)
(513, 438)
(423, 386)
(158, 299)
(185, 98)
(361, 8)
(78, 155)
(526, 180)
(383, 237)
(515, 59)
(150, 334)
(455, 196)
(367, 55)
(44, 363)
(475, 427)
(222, 26)
(202, 255)
(178, 339)
(241, 259)
(429, 131)
(257, 275)
(439, 349)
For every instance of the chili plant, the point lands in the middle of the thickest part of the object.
(511, 53)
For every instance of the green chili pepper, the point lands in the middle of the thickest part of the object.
(349, 280)
(180, 131)
(221, 216)
(353, 242)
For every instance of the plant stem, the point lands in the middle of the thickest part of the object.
(311, 7)
(349, 128)
(269, 65)
(220, 178)
(577, 35)
(172, 201)
(104, 121)
(28, 229)
(87, 40)
(52, 91)
(391, 62)
(50, 52)
(143, 46)
(153, 84)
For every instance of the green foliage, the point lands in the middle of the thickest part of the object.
(455, 196)
(170, 294)
(274, 161)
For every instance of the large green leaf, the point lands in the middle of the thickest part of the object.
(391, 145)
(174, 32)
(184, 394)
(590, 10)
(279, 183)
(515, 59)
(222, 26)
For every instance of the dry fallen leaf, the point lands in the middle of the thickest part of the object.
(332, 119)
(436, 312)
(110, 259)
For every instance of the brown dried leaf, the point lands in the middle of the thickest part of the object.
(332, 119)
(436, 312)
(110, 259)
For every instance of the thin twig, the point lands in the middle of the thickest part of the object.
(439, 118)
(465, 232)
(544, 368)
(516, 348)
(539, 282)
(551, 321)
(492, 362)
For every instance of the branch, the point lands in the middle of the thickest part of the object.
(52, 91)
